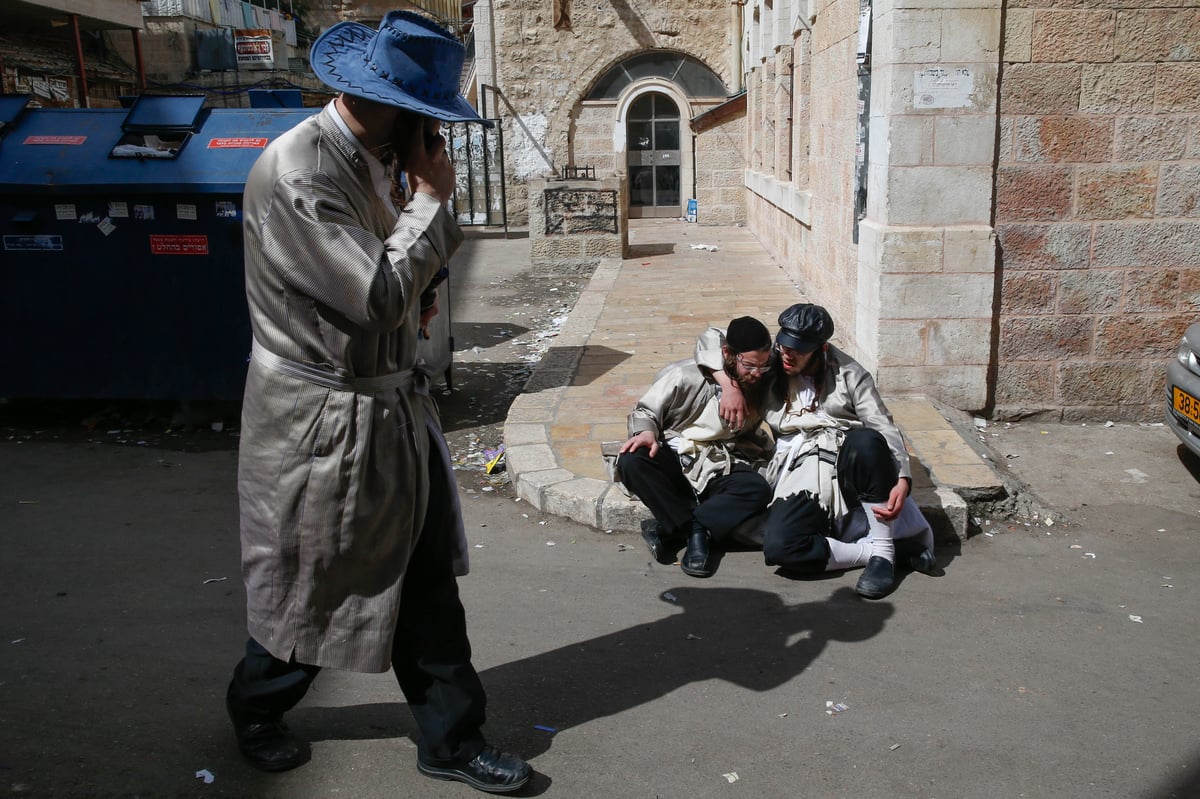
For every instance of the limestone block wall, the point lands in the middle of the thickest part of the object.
(719, 162)
(926, 261)
(544, 73)
(1097, 204)
(910, 285)
(802, 109)
(577, 222)
(720, 173)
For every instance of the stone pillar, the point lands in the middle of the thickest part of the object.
(927, 256)
(578, 222)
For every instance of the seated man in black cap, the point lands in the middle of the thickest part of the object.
(696, 473)
(840, 472)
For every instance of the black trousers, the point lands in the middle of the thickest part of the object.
(431, 656)
(726, 502)
(796, 527)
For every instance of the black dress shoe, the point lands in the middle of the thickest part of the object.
(491, 771)
(916, 556)
(696, 559)
(270, 745)
(878, 579)
(264, 741)
(663, 546)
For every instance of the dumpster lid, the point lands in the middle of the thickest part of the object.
(152, 113)
(275, 98)
(11, 107)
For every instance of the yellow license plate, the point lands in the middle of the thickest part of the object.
(1185, 403)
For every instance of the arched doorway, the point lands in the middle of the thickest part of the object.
(653, 156)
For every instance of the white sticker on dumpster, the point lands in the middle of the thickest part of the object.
(185, 211)
(32, 243)
(118, 210)
(64, 211)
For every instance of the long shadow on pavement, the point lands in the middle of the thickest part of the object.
(747, 637)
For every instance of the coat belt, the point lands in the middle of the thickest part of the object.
(418, 377)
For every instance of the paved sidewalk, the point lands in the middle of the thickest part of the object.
(638, 314)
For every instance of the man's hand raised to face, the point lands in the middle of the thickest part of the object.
(427, 162)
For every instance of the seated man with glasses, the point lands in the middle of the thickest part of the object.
(840, 472)
(696, 473)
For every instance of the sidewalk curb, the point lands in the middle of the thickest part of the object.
(952, 471)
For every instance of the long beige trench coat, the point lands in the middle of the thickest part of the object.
(336, 434)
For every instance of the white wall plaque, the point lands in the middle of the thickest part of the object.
(943, 87)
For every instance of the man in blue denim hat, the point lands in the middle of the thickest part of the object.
(352, 537)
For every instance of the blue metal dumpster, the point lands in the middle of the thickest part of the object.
(121, 274)
(122, 248)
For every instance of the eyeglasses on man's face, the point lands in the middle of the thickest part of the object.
(751, 368)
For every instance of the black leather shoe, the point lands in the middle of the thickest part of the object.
(491, 771)
(695, 560)
(266, 742)
(878, 579)
(270, 745)
(663, 547)
(916, 556)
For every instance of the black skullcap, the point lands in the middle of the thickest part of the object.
(804, 327)
(747, 334)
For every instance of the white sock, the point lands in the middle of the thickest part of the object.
(881, 533)
(848, 556)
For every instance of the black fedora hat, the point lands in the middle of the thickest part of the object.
(410, 62)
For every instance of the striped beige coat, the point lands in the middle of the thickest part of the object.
(332, 469)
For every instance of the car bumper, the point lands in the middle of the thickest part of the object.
(1188, 431)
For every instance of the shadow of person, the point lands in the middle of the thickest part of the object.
(747, 637)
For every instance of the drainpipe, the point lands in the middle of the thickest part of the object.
(864, 115)
(735, 45)
(137, 56)
(83, 87)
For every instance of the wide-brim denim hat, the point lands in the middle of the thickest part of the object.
(410, 62)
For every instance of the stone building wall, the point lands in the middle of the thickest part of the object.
(544, 74)
(802, 111)
(721, 184)
(720, 189)
(1097, 204)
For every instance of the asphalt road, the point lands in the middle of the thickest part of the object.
(1049, 660)
(1046, 662)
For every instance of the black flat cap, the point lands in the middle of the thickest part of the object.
(804, 327)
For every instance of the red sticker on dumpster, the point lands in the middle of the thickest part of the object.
(237, 141)
(55, 139)
(179, 245)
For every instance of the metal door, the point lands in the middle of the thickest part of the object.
(652, 136)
